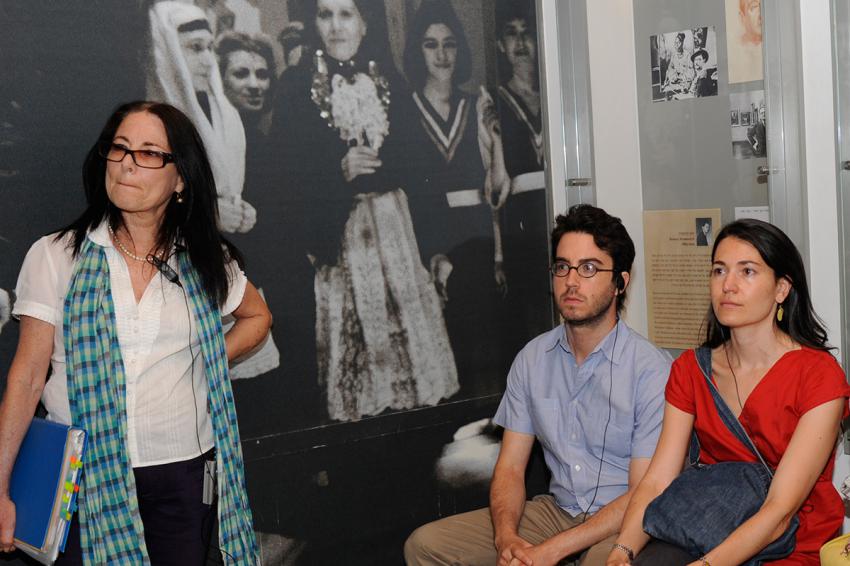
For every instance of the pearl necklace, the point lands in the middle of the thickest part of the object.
(122, 248)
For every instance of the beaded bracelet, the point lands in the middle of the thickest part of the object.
(629, 552)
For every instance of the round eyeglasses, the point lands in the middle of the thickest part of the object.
(147, 158)
(586, 269)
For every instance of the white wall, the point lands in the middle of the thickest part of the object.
(613, 86)
(820, 177)
(820, 162)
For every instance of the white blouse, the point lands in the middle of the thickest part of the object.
(167, 417)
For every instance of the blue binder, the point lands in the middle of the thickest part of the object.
(44, 487)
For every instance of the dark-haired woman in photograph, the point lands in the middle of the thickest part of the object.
(247, 68)
(771, 364)
(456, 184)
(524, 217)
(340, 141)
(124, 305)
(519, 93)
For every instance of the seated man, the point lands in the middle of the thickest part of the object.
(591, 390)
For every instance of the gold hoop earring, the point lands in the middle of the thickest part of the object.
(780, 312)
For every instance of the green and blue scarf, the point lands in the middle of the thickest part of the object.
(111, 528)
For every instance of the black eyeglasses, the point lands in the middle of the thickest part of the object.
(147, 158)
(586, 270)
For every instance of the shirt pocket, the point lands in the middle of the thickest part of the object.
(546, 414)
(619, 437)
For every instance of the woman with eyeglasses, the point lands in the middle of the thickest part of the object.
(771, 365)
(133, 291)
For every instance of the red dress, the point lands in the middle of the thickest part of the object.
(799, 381)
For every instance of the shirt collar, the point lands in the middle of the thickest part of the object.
(100, 235)
(611, 346)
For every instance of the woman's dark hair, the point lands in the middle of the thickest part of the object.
(510, 10)
(375, 45)
(432, 12)
(192, 224)
(608, 233)
(780, 254)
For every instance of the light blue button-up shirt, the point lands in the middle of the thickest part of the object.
(565, 405)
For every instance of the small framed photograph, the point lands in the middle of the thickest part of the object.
(734, 116)
(745, 118)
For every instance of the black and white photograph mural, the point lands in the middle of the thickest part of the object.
(749, 134)
(5, 308)
(380, 166)
(684, 64)
(182, 71)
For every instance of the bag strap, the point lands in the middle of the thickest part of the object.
(693, 450)
(703, 356)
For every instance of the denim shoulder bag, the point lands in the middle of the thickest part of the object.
(702, 506)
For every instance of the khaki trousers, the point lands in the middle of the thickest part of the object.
(466, 539)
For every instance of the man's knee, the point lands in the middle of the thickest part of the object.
(466, 538)
(420, 545)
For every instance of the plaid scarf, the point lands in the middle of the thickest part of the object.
(111, 528)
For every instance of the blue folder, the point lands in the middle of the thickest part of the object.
(44, 487)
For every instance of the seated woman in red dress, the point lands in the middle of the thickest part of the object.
(771, 365)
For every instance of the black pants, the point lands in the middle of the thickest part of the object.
(177, 523)
(660, 553)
